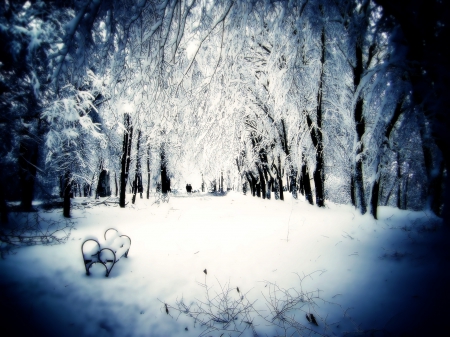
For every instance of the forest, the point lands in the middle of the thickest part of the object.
(328, 102)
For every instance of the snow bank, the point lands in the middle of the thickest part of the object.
(363, 274)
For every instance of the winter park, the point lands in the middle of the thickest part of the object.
(224, 168)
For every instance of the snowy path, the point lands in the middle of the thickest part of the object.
(391, 278)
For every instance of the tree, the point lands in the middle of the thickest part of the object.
(126, 156)
(425, 29)
(28, 30)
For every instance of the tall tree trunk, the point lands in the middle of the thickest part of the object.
(437, 190)
(91, 184)
(280, 179)
(28, 155)
(288, 185)
(148, 172)
(375, 191)
(126, 158)
(400, 183)
(67, 193)
(3, 205)
(262, 182)
(358, 179)
(405, 193)
(286, 149)
(319, 174)
(253, 182)
(137, 184)
(28, 152)
(302, 187)
(306, 182)
(269, 187)
(276, 189)
(165, 181)
(293, 181)
(115, 182)
(268, 179)
(203, 184)
(375, 197)
(435, 175)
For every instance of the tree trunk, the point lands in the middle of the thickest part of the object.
(137, 184)
(267, 177)
(293, 181)
(302, 188)
(262, 182)
(203, 184)
(28, 155)
(165, 181)
(67, 192)
(288, 185)
(405, 193)
(437, 191)
(375, 192)
(375, 197)
(103, 186)
(115, 182)
(319, 174)
(319, 181)
(91, 184)
(280, 179)
(306, 182)
(3, 206)
(400, 183)
(269, 180)
(28, 152)
(253, 182)
(276, 189)
(358, 179)
(148, 172)
(126, 158)
(316, 135)
(258, 190)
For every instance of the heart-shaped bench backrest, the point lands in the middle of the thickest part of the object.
(119, 244)
(90, 253)
(93, 254)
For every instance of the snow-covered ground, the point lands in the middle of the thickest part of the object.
(378, 276)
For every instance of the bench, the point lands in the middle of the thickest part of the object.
(115, 247)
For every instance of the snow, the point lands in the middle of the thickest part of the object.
(385, 274)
